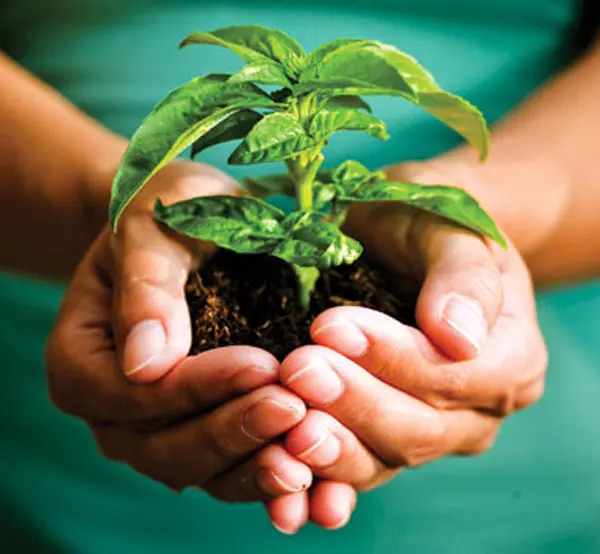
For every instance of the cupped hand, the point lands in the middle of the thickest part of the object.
(384, 396)
(117, 360)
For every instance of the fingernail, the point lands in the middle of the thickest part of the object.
(345, 337)
(323, 452)
(265, 476)
(465, 316)
(317, 383)
(269, 418)
(282, 530)
(143, 344)
(254, 376)
(342, 523)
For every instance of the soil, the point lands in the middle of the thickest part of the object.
(252, 300)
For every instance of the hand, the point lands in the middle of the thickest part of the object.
(384, 396)
(117, 360)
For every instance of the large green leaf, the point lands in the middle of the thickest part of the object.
(328, 121)
(371, 68)
(276, 137)
(255, 44)
(183, 117)
(236, 126)
(319, 243)
(263, 72)
(270, 185)
(250, 226)
(242, 224)
(452, 203)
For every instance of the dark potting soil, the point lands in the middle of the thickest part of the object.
(252, 300)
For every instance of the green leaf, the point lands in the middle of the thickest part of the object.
(264, 72)
(255, 44)
(183, 117)
(320, 244)
(270, 185)
(459, 115)
(355, 67)
(352, 174)
(317, 55)
(276, 137)
(371, 68)
(328, 121)
(242, 224)
(452, 203)
(347, 102)
(234, 127)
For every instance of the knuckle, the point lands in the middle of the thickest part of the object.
(450, 387)
(428, 442)
(58, 372)
(482, 446)
(486, 284)
(530, 395)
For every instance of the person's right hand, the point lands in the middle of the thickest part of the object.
(117, 360)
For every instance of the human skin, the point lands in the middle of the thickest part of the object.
(543, 150)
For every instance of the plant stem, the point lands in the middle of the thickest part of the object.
(304, 171)
(307, 279)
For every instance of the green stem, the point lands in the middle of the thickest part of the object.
(307, 279)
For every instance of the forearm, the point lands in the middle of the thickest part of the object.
(55, 168)
(542, 181)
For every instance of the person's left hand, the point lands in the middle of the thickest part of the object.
(385, 396)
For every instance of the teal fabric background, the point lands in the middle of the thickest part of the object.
(538, 491)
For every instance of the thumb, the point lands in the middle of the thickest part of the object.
(462, 292)
(152, 322)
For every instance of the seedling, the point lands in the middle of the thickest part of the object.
(305, 99)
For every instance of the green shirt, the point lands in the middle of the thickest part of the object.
(538, 491)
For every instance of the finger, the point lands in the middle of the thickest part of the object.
(192, 453)
(332, 504)
(289, 513)
(405, 359)
(335, 453)
(152, 321)
(272, 472)
(85, 380)
(461, 295)
(151, 266)
(400, 429)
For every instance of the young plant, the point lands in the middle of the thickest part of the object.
(309, 98)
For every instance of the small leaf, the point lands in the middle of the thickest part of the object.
(452, 203)
(320, 244)
(270, 185)
(255, 44)
(263, 72)
(185, 115)
(234, 127)
(276, 137)
(352, 174)
(328, 121)
(242, 224)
